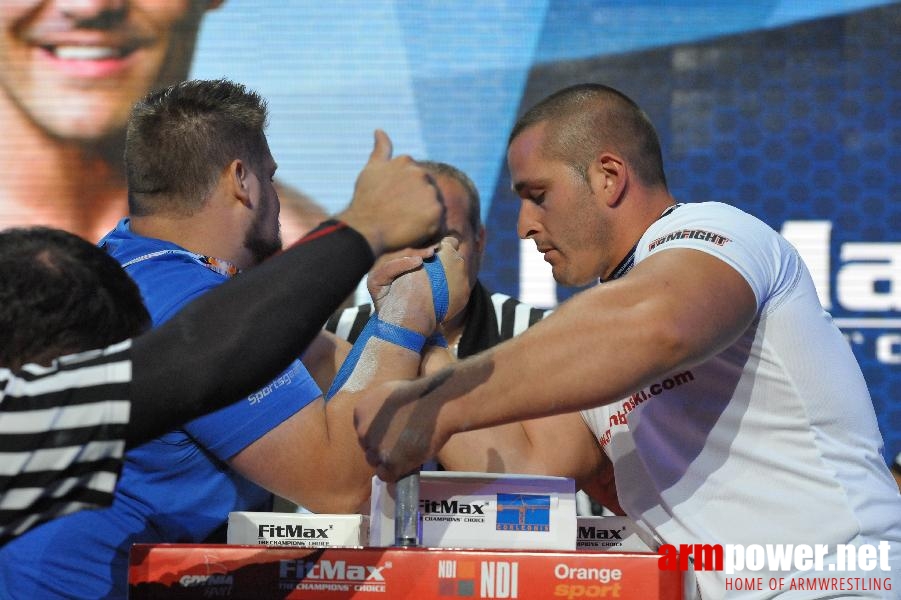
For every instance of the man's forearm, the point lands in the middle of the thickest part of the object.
(344, 465)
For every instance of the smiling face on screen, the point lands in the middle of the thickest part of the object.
(75, 67)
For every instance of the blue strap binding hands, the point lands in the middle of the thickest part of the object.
(440, 296)
(395, 334)
(438, 281)
(377, 328)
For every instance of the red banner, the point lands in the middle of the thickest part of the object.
(260, 572)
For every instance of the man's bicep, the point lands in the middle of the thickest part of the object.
(700, 301)
(566, 446)
(285, 459)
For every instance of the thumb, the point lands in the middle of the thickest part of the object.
(383, 148)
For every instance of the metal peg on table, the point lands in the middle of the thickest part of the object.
(407, 531)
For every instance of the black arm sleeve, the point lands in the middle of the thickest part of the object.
(228, 343)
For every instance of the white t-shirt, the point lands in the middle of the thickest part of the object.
(774, 440)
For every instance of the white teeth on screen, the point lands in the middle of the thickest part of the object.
(86, 52)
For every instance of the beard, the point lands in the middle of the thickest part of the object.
(262, 243)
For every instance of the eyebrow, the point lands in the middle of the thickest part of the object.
(520, 185)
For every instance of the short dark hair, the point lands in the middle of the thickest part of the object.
(60, 294)
(587, 118)
(434, 167)
(179, 139)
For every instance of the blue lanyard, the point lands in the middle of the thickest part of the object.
(223, 267)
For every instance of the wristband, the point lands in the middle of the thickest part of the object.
(375, 327)
(438, 282)
(395, 334)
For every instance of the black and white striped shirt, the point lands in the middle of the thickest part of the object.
(491, 319)
(62, 436)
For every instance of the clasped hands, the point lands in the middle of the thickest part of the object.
(403, 295)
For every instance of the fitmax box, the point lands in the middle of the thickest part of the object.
(483, 510)
(612, 534)
(302, 530)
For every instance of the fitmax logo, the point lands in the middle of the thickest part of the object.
(292, 531)
(327, 570)
(594, 533)
(449, 507)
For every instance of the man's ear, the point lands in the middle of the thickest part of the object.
(239, 178)
(481, 240)
(609, 177)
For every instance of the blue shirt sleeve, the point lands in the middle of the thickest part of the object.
(229, 430)
(168, 284)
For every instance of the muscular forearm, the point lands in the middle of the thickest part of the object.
(319, 443)
(557, 366)
(388, 349)
(229, 342)
(603, 344)
(344, 465)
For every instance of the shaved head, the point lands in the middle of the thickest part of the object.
(586, 119)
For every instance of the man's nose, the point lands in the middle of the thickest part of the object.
(92, 10)
(527, 223)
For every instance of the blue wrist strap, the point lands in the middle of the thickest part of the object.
(395, 334)
(438, 281)
(400, 336)
(377, 328)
